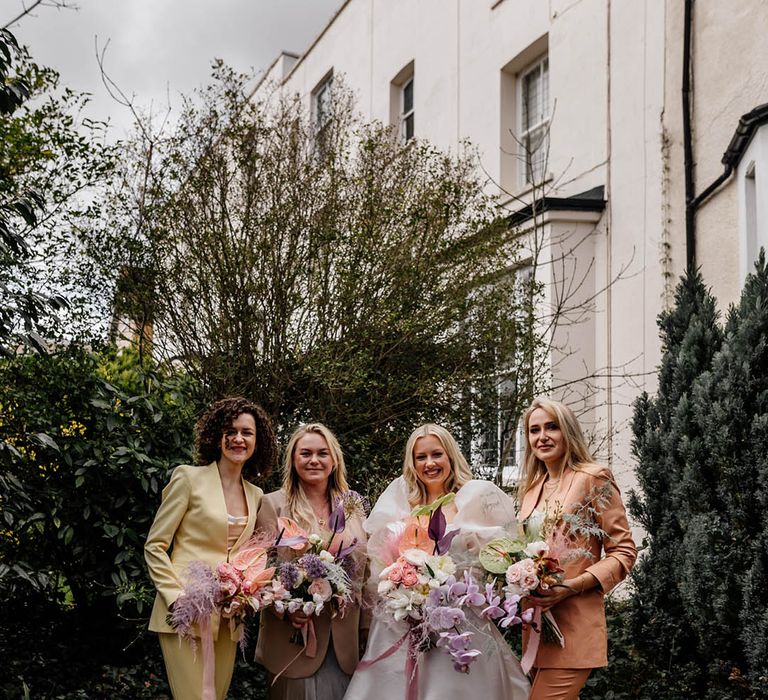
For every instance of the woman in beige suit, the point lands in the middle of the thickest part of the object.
(206, 514)
(561, 485)
(314, 479)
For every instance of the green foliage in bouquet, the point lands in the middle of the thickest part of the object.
(85, 448)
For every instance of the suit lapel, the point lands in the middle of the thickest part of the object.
(565, 486)
(530, 498)
(250, 498)
(213, 493)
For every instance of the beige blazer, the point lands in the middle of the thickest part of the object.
(190, 525)
(581, 618)
(274, 649)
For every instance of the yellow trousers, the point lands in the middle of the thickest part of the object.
(185, 667)
(558, 683)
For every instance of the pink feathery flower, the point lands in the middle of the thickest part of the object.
(198, 600)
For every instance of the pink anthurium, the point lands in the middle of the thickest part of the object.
(292, 535)
(247, 557)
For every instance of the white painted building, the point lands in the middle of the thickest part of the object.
(603, 79)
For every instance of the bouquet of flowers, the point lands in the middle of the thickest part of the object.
(515, 570)
(321, 574)
(235, 589)
(419, 585)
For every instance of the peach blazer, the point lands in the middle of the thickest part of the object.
(190, 525)
(274, 649)
(581, 618)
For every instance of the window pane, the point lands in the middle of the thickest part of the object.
(545, 90)
(530, 99)
(408, 97)
(408, 127)
(323, 103)
(536, 154)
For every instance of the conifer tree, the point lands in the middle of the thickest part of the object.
(666, 434)
(724, 565)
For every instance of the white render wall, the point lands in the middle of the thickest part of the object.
(730, 68)
(615, 81)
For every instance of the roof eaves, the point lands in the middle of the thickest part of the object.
(745, 131)
(591, 200)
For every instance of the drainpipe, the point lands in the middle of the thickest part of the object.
(690, 209)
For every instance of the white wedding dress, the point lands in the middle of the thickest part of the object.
(484, 512)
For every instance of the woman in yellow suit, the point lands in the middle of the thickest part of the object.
(206, 514)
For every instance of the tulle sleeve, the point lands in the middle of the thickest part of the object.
(484, 512)
(481, 504)
(391, 507)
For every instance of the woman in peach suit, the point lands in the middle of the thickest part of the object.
(561, 486)
(314, 482)
(206, 514)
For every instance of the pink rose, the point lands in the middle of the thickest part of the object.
(529, 582)
(515, 573)
(229, 578)
(320, 587)
(396, 572)
(228, 587)
(528, 565)
(410, 577)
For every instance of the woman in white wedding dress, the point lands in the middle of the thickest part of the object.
(434, 466)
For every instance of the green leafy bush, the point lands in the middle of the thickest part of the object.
(83, 464)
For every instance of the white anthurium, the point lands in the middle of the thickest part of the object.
(536, 549)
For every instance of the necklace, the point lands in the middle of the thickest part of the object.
(321, 520)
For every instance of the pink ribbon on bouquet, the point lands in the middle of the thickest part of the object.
(411, 664)
(209, 663)
(309, 637)
(535, 637)
(533, 641)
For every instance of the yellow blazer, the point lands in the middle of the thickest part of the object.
(581, 618)
(274, 648)
(190, 525)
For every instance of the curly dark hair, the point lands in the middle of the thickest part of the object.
(219, 416)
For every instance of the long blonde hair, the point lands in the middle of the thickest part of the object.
(577, 453)
(296, 500)
(460, 470)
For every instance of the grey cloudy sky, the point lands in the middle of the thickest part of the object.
(158, 47)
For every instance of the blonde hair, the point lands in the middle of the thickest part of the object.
(296, 500)
(577, 453)
(460, 470)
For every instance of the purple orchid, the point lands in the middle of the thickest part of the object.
(457, 589)
(494, 610)
(510, 606)
(443, 617)
(472, 596)
(456, 645)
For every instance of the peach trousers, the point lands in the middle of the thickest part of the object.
(558, 683)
